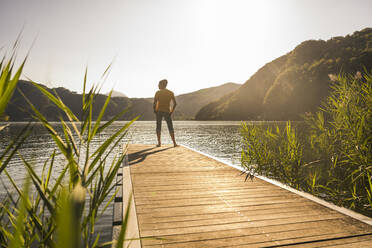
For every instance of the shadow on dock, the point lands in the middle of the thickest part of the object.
(140, 156)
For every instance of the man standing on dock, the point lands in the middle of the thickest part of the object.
(162, 108)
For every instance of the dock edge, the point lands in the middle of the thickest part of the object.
(345, 211)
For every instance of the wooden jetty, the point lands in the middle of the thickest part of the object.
(182, 198)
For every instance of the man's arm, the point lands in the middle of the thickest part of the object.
(174, 104)
(155, 101)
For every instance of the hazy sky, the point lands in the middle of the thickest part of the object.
(193, 43)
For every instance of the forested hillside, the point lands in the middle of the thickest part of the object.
(188, 104)
(19, 110)
(295, 83)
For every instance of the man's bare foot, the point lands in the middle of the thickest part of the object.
(175, 145)
(158, 145)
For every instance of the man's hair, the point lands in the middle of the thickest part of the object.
(163, 83)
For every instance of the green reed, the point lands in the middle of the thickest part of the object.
(329, 154)
(61, 212)
(8, 84)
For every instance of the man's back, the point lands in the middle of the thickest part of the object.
(161, 106)
(163, 98)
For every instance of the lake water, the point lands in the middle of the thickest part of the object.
(217, 138)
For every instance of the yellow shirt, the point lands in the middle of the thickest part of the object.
(162, 99)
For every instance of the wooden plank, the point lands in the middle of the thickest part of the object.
(186, 199)
(132, 233)
(281, 233)
(123, 200)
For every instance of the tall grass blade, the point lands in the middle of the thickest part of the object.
(123, 231)
(17, 239)
(8, 86)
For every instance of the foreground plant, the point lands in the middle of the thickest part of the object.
(8, 84)
(63, 212)
(329, 155)
(10, 215)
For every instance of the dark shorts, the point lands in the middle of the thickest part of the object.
(167, 118)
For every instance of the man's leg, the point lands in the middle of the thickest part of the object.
(170, 128)
(158, 127)
(158, 134)
(173, 139)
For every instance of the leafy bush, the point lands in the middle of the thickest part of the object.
(329, 154)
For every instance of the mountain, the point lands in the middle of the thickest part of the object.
(19, 110)
(190, 103)
(116, 94)
(187, 104)
(294, 83)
